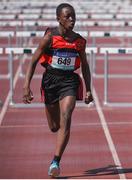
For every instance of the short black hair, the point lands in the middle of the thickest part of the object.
(61, 6)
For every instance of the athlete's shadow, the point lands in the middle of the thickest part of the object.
(108, 170)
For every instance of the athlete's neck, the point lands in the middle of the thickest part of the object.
(64, 32)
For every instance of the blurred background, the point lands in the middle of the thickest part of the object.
(101, 137)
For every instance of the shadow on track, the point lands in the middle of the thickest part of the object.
(108, 170)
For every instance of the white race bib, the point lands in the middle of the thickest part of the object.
(64, 60)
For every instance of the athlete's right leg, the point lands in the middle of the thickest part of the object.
(67, 105)
(53, 116)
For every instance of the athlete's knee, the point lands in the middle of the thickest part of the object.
(66, 115)
(54, 129)
(65, 122)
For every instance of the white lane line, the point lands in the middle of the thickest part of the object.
(108, 135)
(5, 105)
(4, 108)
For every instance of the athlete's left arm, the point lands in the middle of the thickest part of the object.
(86, 75)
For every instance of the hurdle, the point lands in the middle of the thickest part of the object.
(7, 34)
(11, 52)
(112, 51)
(106, 52)
(8, 50)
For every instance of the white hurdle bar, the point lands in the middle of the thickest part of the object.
(106, 80)
(12, 103)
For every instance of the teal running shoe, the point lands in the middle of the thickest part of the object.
(54, 169)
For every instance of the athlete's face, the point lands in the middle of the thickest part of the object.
(67, 18)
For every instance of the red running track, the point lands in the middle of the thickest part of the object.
(99, 148)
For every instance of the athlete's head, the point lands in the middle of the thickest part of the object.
(66, 15)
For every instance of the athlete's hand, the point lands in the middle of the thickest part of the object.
(88, 97)
(27, 95)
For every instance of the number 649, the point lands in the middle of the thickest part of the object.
(65, 61)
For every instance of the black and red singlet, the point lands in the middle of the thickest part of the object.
(62, 54)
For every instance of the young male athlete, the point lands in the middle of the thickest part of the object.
(61, 51)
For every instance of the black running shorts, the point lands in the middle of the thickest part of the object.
(57, 84)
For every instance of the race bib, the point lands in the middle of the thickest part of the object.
(64, 61)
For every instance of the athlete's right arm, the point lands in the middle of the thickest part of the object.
(27, 93)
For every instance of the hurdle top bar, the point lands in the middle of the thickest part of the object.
(32, 50)
(7, 33)
(20, 50)
(110, 34)
(116, 50)
(91, 49)
(27, 50)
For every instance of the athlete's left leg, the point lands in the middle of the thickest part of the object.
(67, 105)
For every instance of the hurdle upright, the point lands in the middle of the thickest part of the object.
(11, 52)
(106, 52)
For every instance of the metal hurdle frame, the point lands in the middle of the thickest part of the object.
(11, 52)
(114, 50)
(20, 51)
(106, 52)
(8, 50)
